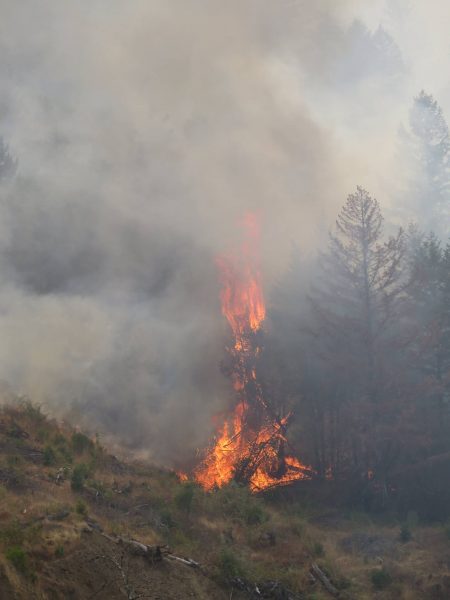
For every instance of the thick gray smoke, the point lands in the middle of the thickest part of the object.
(143, 130)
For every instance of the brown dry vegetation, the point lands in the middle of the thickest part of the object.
(60, 490)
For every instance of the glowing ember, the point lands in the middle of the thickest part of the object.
(250, 446)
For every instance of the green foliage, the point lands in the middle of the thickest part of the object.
(185, 497)
(62, 445)
(81, 443)
(380, 578)
(254, 513)
(33, 412)
(17, 556)
(59, 551)
(81, 508)
(318, 550)
(229, 565)
(405, 533)
(238, 503)
(49, 456)
(12, 533)
(79, 475)
(167, 519)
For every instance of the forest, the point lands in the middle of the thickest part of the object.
(359, 342)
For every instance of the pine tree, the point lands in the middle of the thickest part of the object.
(430, 352)
(357, 306)
(429, 149)
(362, 284)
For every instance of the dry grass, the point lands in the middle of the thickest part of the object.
(267, 540)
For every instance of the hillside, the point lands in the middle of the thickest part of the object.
(69, 512)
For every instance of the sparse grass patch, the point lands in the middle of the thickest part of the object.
(81, 508)
(17, 556)
(12, 533)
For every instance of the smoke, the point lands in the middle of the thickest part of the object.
(144, 129)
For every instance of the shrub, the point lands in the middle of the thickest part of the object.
(49, 456)
(63, 447)
(254, 513)
(405, 533)
(33, 411)
(238, 502)
(79, 475)
(318, 550)
(229, 565)
(81, 443)
(59, 551)
(18, 558)
(381, 579)
(185, 496)
(81, 508)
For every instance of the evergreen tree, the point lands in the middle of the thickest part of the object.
(357, 306)
(428, 143)
(362, 284)
(430, 352)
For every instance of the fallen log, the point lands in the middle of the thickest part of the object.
(317, 572)
(153, 553)
(186, 561)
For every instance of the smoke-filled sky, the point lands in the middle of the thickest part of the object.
(143, 130)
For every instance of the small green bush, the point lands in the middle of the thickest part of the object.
(254, 513)
(62, 446)
(318, 550)
(49, 456)
(405, 533)
(81, 508)
(81, 443)
(79, 475)
(229, 565)
(381, 579)
(237, 502)
(18, 558)
(33, 411)
(185, 497)
(59, 551)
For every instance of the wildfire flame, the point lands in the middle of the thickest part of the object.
(250, 446)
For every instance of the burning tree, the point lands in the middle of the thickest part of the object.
(251, 445)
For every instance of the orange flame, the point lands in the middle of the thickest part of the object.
(250, 445)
